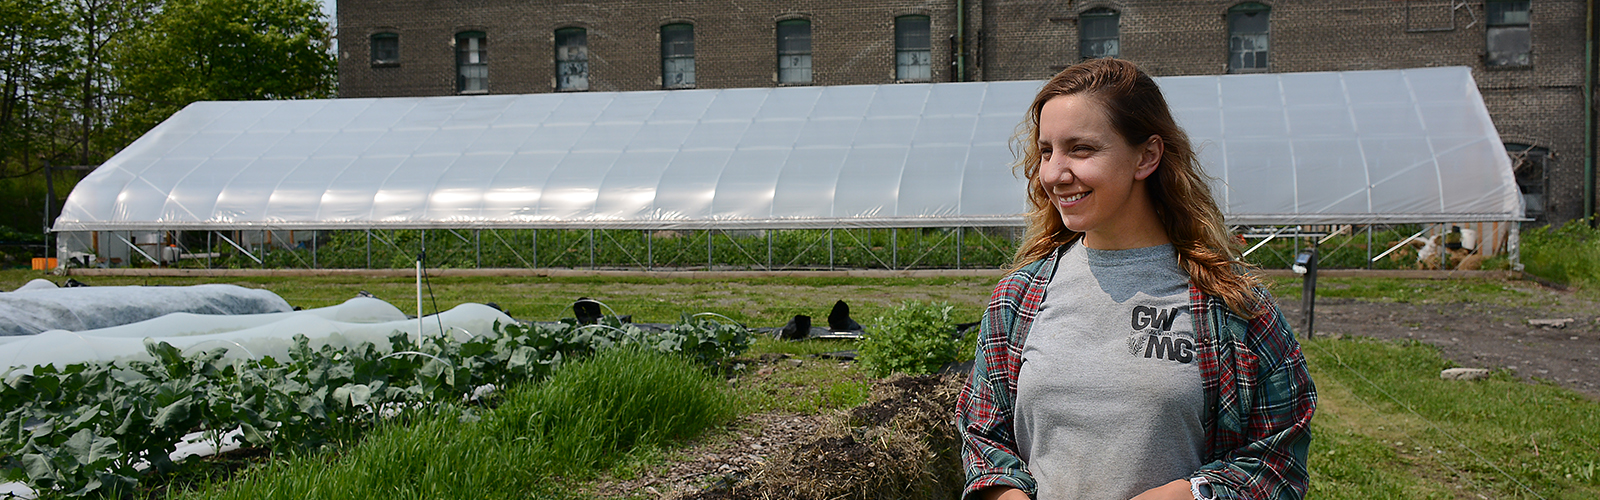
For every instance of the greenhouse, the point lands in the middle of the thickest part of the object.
(896, 176)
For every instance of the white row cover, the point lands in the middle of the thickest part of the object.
(1376, 146)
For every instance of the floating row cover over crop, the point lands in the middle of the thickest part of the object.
(1353, 147)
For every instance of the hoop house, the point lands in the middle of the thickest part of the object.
(1400, 146)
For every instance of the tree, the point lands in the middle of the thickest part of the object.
(224, 50)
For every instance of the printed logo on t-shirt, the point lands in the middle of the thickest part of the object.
(1152, 336)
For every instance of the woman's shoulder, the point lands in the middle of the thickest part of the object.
(1267, 333)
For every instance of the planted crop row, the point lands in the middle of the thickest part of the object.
(93, 428)
(612, 248)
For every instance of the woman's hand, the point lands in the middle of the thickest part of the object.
(1175, 490)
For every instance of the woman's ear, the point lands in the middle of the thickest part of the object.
(1150, 154)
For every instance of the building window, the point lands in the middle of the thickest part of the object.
(472, 63)
(794, 51)
(1529, 165)
(1097, 34)
(385, 50)
(572, 59)
(1510, 39)
(1247, 38)
(677, 56)
(913, 49)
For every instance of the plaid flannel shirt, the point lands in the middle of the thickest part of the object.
(1256, 386)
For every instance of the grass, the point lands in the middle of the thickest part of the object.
(1386, 427)
(1569, 254)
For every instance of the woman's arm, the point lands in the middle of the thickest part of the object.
(1264, 414)
(984, 410)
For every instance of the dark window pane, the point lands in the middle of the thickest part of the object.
(1098, 34)
(1504, 13)
(913, 49)
(572, 59)
(794, 51)
(912, 33)
(794, 37)
(385, 49)
(472, 62)
(1248, 34)
(1510, 46)
(677, 55)
(677, 40)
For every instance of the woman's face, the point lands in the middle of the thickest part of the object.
(1094, 178)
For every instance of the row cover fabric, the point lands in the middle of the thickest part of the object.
(1412, 145)
(345, 325)
(35, 309)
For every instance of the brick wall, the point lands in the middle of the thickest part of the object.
(853, 43)
(735, 42)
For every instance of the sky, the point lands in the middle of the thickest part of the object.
(329, 9)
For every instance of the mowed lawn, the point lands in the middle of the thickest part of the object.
(1386, 427)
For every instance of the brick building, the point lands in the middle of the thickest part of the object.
(1528, 56)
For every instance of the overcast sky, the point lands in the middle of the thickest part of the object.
(328, 8)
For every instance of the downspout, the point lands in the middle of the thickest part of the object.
(1588, 116)
(961, 39)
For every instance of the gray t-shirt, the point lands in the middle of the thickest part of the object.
(1109, 396)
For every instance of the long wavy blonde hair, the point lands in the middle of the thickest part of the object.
(1207, 249)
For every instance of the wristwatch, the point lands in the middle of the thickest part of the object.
(1201, 488)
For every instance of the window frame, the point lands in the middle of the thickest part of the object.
(1496, 27)
(578, 63)
(1239, 11)
(901, 50)
(673, 53)
(464, 42)
(372, 44)
(1084, 40)
(791, 50)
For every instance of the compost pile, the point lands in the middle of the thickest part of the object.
(900, 444)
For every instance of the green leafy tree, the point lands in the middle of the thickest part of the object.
(224, 50)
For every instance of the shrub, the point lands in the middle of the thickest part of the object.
(915, 339)
(1569, 254)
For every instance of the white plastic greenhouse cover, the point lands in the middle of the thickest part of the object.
(1353, 147)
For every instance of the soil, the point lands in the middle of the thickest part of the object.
(1478, 335)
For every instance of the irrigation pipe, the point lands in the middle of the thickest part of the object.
(730, 320)
(1401, 243)
(1430, 423)
(602, 304)
(1264, 241)
(416, 353)
(208, 341)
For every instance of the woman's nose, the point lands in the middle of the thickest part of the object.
(1056, 173)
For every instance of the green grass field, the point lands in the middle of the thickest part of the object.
(1386, 426)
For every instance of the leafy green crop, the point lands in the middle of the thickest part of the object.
(914, 338)
(92, 428)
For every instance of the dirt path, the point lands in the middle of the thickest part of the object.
(1480, 335)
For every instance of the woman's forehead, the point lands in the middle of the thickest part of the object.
(1074, 115)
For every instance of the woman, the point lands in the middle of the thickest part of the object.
(1126, 355)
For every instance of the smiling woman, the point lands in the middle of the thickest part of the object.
(1085, 385)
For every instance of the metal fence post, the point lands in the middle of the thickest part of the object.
(830, 249)
(894, 248)
(960, 242)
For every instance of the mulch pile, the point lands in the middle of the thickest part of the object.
(900, 444)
